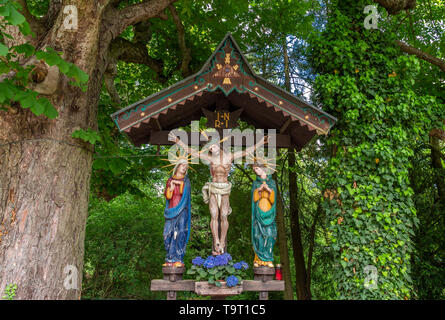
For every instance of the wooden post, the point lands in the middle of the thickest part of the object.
(282, 244)
(172, 274)
(263, 274)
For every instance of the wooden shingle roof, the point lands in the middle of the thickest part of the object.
(226, 77)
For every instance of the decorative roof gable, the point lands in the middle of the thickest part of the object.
(227, 71)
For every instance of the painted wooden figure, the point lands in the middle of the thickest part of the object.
(264, 229)
(177, 215)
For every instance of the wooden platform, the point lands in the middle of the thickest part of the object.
(205, 289)
(263, 283)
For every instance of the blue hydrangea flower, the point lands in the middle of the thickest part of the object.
(232, 281)
(217, 261)
(237, 265)
(209, 262)
(244, 265)
(227, 256)
(198, 261)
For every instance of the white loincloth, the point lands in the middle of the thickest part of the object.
(218, 189)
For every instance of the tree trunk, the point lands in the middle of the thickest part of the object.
(282, 244)
(44, 181)
(311, 248)
(439, 172)
(301, 286)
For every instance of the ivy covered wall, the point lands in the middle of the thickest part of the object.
(365, 81)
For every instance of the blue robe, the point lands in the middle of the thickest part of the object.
(177, 226)
(264, 229)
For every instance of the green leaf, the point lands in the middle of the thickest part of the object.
(213, 271)
(3, 50)
(15, 17)
(50, 56)
(92, 137)
(38, 107)
(230, 269)
(6, 91)
(26, 29)
(50, 111)
(25, 48)
(78, 74)
(4, 10)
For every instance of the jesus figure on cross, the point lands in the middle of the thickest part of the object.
(217, 192)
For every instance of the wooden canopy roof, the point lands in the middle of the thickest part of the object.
(226, 81)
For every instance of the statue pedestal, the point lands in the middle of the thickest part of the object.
(172, 274)
(263, 274)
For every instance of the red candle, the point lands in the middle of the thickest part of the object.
(278, 275)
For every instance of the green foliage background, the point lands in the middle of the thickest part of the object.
(366, 82)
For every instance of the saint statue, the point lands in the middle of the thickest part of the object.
(217, 191)
(177, 215)
(264, 229)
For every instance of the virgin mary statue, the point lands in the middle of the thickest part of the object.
(177, 215)
(264, 229)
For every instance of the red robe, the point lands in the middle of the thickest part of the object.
(176, 195)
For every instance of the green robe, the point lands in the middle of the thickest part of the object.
(264, 228)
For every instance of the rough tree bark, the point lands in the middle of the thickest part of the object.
(44, 177)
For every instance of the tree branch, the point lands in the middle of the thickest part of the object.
(395, 6)
(421, 55)
(109, 75)
(34, 23)
(139, 12)
(124, 50)
(54, 8)
(186, 52)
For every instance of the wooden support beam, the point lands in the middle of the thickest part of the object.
(203, 288)
(178, 285)
(256, 285)
(285, 125)
(158, 124)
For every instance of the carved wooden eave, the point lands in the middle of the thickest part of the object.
(228, 76)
